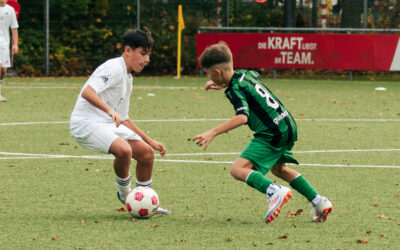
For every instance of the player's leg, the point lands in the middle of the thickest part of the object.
(321, 204)
(3, 72)
(242, 169)
(123, 155)
(4, 64)
(144, 156)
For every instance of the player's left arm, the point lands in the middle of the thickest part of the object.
(206, 137)
(154, 144)
(15, 47)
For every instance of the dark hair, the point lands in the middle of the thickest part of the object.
(138, 38)
(215, 54)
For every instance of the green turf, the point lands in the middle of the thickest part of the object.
(70, 203)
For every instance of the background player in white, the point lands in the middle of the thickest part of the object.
(100, 119)
(8, 20)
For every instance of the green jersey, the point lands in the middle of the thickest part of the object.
(267, 117)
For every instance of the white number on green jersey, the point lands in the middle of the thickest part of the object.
(270, 101)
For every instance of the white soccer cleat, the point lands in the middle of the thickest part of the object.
(322, 210)
(2, 99)
(162, 211)
(276, 202)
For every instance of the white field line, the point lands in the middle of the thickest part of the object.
(22, 156)
(206, 120)
(80, 86)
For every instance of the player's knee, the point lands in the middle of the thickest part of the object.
(124, 152)
(277, 170)
(146, 154)
(234, 172)
(149, 154)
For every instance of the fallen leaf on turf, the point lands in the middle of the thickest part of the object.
(64, 143)
(154, 225)
(369, 232)
(375, 204)
(34, 238)
(179, 240)
(269, 243)
(111, 224)
(82, 221)
(190, 215)
(228, 239)
(121, 209)
(383, 217)
(282, 237)
(382, 235)
(290, 214)
(54, 238)
(162, 170)
(254, 244)
(133, 219)
(362, 241)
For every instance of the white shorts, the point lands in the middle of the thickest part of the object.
(104, 135)
(5, 60)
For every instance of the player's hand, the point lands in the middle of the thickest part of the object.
(204, 139)
(117, 118)
(159, 147)
(15, 49)
(212, 85)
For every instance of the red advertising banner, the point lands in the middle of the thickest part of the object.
(313, 51)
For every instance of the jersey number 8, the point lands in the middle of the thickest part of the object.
(270, 101)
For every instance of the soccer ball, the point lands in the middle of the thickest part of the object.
(142, 202)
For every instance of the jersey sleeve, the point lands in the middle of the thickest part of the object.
(103, 79)
(238, 100)
(13, 19)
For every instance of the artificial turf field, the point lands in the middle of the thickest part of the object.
(56, 195)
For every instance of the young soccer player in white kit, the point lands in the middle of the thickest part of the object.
(8, 19)
(100, 120)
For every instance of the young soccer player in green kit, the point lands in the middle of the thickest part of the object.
(275, 133)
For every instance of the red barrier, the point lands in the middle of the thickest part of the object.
(311, 51)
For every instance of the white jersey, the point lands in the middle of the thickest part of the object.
(8, 19)
(113, 84)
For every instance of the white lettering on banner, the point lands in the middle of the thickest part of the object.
(289, 57)
(301, 56)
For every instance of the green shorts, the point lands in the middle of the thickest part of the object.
(263, 156)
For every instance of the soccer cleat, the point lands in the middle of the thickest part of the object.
(2, 99)
(119, 198)
(275, 203)
(163, 211)
(322, 210)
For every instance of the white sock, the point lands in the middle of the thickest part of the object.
(144, 183)
(317, 199)
(272, 188)
(124, 186)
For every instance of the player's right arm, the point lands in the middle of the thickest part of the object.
(91, 96)
(206, 137)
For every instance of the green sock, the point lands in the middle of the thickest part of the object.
(258, 181)
(301, 185)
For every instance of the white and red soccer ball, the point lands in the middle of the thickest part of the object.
(142, 202)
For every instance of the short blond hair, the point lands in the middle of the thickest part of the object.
(216, 54)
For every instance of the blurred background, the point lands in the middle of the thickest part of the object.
(72, 37)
